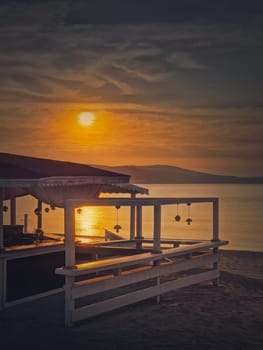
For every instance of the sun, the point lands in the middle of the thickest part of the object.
(86, 118)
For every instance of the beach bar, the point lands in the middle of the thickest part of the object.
(111, 273)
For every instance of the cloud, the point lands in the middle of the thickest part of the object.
(37, 14)
(182, 80)
(122, 86)
(160, 11)
(81, 60)
(184, 60)
(148, 76)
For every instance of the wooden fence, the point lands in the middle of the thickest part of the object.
(96, 287)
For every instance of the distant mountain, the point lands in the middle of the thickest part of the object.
(165, 174)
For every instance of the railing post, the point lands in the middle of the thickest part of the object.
(215, 267)
(139, 227)
(69, 223)
(157, 229)
(215, 234)
(132, 219)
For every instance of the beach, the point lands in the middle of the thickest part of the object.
(229, 316)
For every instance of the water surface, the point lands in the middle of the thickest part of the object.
(240, 215)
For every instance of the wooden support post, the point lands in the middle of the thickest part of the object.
(3, 280)
(2, 259)
(132, 219)
(1, 219)
(69, 229)
(215, 220)
(215, 235)
(39, 214)
(215, 267)
(25, 222)
(139, 227)
(13, 211)
(69, 302)
(157, 229)
(158, 282)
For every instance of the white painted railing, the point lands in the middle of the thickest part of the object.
(111, 275)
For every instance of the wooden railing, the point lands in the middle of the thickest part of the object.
(198, 262)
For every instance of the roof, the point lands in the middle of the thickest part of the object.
(14, 166)
(54, 181)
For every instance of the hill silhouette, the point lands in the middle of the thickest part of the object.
(166, 174)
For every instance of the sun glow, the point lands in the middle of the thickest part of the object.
(86, 118)
(90, 221)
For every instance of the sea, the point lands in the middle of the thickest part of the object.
(240, 215)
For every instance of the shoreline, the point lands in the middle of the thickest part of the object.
(240, 250)
(228, 316)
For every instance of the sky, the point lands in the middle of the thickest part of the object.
(169, 82)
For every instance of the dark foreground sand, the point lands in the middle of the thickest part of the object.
(227, 317)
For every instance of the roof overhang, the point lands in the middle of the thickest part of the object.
(56, 190)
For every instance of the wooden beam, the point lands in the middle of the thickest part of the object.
(139, 201)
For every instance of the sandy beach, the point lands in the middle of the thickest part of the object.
(226, 317)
